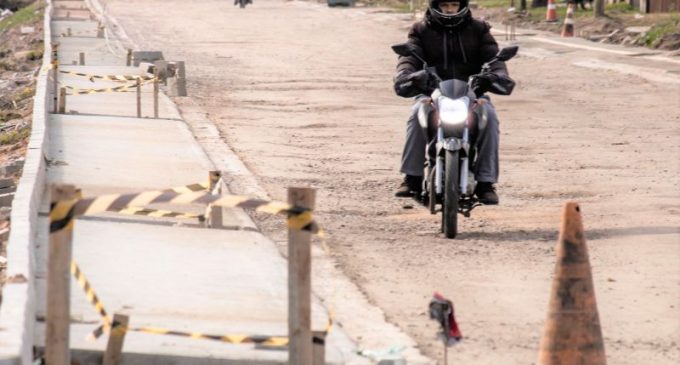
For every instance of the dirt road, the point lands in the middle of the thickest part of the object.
(303, 94)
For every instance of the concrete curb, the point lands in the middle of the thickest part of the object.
(19, 297)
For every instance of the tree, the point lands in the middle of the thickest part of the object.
(539, 3)
(598, 9)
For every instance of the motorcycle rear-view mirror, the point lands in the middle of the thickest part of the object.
(507, 53)
(402, 49)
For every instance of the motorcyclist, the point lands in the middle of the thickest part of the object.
(457, 45)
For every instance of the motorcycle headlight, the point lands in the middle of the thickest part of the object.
(453, 111)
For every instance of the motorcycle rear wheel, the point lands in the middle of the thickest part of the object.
(450, 203)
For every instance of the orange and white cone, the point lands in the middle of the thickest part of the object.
(568, 27)
(551, 15)
(572, 333)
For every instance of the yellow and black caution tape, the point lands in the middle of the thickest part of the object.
(108, 325)
(160, 213)
(91, 77)
(63, 212)
(270, 341)
(89, 291)
(117, 89)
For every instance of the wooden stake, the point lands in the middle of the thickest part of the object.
(62, 101)
(100, 30)
(55, 74)
(114, 348)
(155, 95)
(129, 58)
(139, 97)
(319, 348)
(300, 283)
(181, 79)
(57, 351)
(81, 59)
(215, 219)
(68, 32)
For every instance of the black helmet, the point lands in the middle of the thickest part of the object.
(449, 21)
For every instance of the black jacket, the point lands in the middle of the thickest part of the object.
(456, 53)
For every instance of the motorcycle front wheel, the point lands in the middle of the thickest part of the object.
(450, 203)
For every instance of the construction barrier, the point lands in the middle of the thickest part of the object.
(91, 77)
(67, 204)
(572, 333)
(109, 325)
(63, 212)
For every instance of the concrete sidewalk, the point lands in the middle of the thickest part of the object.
(163, 272)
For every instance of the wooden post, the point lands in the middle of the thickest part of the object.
(81, 59)
(300, 283)
(181, 79)
(114, 348)
(155, 93)
(68, 32)
(57, 351)
(319, 348)
(139, 97)
(68, 14)
(100, 30)
(55, 74)
(62, 101)
(129, 57)
(214, 212)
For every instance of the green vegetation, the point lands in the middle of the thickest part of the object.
(25, 93)
(25, 15)
(658, 31)
(14, 136)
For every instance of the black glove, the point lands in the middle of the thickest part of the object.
(411, 84)
(497, 84)
(481, 83)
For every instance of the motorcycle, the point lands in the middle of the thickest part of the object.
(448, 117)
(243, 3)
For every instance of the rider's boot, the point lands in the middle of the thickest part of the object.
(486, 193)
(410, 187)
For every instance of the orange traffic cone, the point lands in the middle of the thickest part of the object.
(572, 333)
(568, 27)
(551, 15)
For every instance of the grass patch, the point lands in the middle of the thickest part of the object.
(14, 136)
(658, 31)
(25, 15)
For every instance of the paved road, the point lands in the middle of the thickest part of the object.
(302, 93)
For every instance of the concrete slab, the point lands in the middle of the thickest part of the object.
(112, 154)
(96, 51)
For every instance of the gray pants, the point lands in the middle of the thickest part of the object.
(486, 169)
